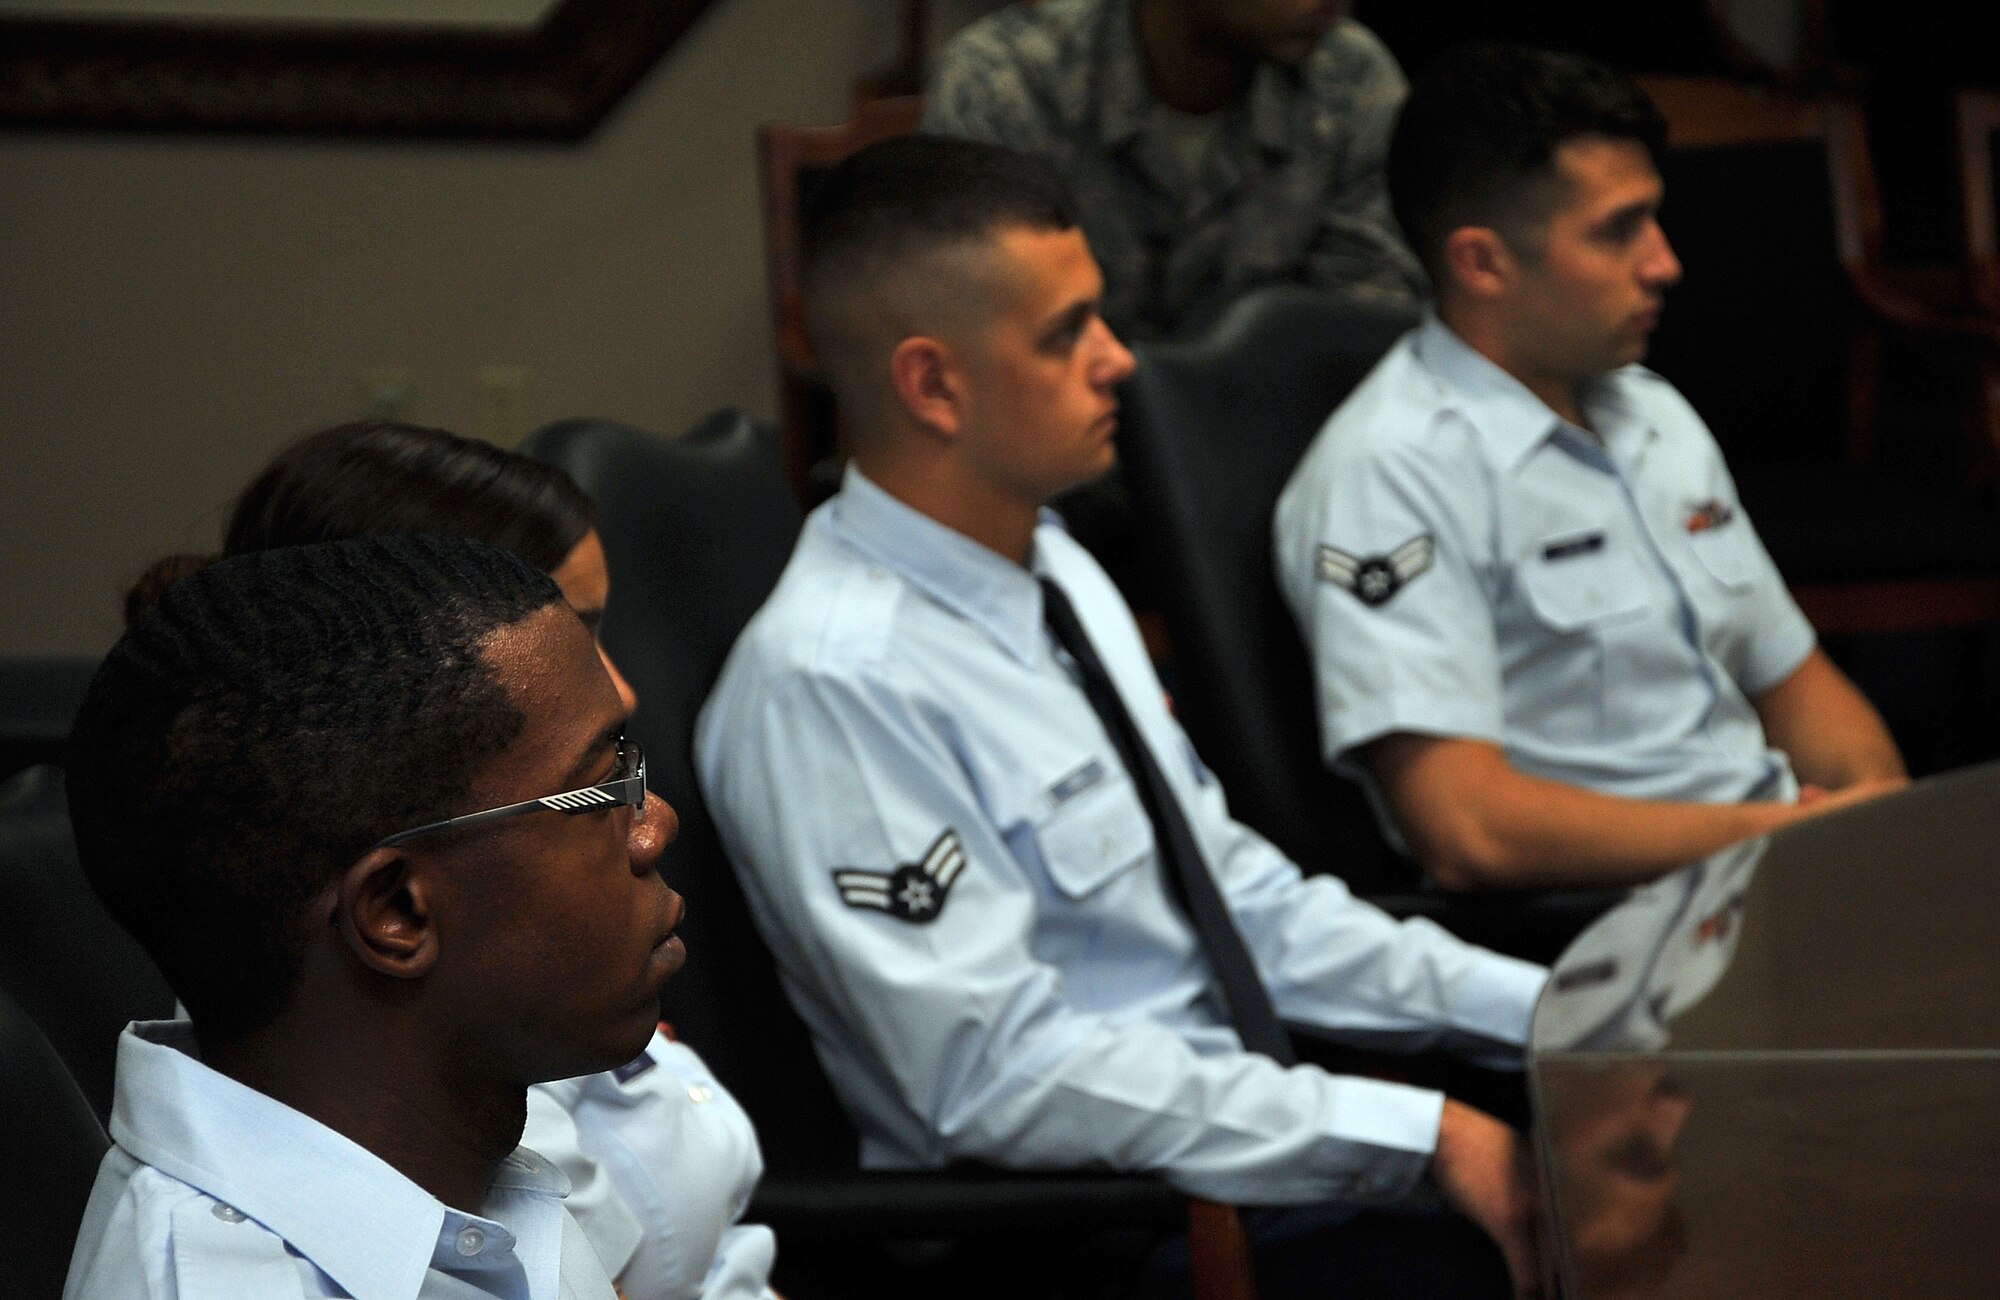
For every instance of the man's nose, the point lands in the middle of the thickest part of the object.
(653, 828)
(1117, 364)
(1663, 269)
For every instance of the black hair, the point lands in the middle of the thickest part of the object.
(906, 196)
(379, 477)
(262, 724)
(1476, 141)
(874, 218)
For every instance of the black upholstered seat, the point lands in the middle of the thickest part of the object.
(1212, 428)
(696, 530)
(55, 1144)
(65, 962)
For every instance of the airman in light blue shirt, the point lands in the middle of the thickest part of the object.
(1595, 603)
(214, 1191)
(1002, 890)
(1042, 1000)
(1544, 629)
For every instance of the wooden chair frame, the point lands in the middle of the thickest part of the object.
(1707, 113)
(804, 404)
(1978, 114)
(1704, 112)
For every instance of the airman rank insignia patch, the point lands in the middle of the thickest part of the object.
(913, 892)
(1375, 578)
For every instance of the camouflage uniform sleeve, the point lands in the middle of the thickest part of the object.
(1358, 247)
(984, 85)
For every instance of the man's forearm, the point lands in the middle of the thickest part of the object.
(1827, 728)
(1474, 822)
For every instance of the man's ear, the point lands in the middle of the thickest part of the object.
(924, 372)
(385, 914)
(1482, 266)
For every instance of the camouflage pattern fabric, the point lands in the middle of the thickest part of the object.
(1292, 188)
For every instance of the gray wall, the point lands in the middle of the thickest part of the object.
(174, 309)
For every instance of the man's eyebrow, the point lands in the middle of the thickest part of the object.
(1074, 316)
(603, 740)
(591, 617)
(1628, 211)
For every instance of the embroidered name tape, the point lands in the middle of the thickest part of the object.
(635, 1067)
(1573, 547)
(1088, 776)
(1589, 976)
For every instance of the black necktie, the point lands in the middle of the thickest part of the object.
(1188, 876)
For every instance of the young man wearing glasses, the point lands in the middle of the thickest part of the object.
(368, 806)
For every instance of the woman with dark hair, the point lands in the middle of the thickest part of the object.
(375, 477)
(661, 1159)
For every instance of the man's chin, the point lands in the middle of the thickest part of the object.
(1085, 480)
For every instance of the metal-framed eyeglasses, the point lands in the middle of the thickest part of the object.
(626, 785)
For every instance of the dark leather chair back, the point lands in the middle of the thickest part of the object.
(1211, 429)
(696, 530)
(38, 697)
(55, 1144)
(65, 962)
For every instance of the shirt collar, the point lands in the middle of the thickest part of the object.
(1623, 424)
(358, 1220)
(1510, 421)
(972, 581)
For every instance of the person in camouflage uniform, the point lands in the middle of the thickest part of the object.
(1213, 145)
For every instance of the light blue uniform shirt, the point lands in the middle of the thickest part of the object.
(959, 881)
(1464, 563)
(661, 1163)
(213, 1191)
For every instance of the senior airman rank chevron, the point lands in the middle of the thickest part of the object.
(1375, 578)
(913, 892)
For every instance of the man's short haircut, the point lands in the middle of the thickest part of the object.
(879, 213)
(1475, 144)
(266, 721)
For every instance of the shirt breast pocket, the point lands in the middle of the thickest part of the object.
(1727, 553)
(1094, 837)
(1577, 581)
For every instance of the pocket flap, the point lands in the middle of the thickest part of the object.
(1726, 553)
(1574, 579)
(1095, 836)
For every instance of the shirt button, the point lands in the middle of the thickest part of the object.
(227, 1213)
(470, 1242)
(698, 1093)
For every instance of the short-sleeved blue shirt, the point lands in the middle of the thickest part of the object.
(1464, 563)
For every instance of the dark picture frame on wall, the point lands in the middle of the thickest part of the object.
(553, 78)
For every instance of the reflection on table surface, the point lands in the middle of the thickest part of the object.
(1777, 1072)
